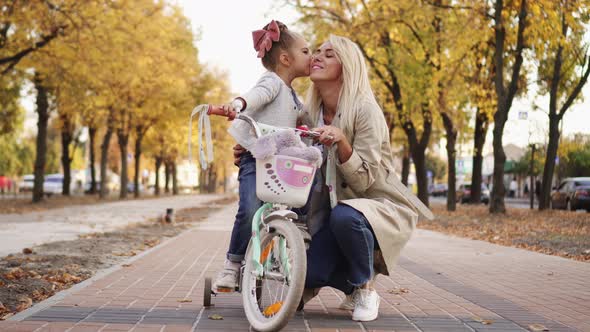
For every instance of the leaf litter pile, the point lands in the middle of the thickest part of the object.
(552, 232)
(40, 272)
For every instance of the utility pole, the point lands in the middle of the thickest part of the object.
(532, 170)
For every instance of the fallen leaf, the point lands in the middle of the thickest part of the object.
(482, 321)
(25, 302)
(8, 315)
(538, 328)
(216, 317)
(126, 265)
(184, 300)
(151, 243)
(398, 291)
(27, 251)
(15, 274)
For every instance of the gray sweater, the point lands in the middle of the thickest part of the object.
(269, 102)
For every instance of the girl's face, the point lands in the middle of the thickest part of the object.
(300, 57)
(325, 66)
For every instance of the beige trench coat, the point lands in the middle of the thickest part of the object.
(367, 182)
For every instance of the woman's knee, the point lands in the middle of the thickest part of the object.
(344, 218)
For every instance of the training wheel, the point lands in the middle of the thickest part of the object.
(207, 293)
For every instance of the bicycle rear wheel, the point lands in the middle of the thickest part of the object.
(271, 300)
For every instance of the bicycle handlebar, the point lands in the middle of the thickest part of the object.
(218, 110)
(231, 115)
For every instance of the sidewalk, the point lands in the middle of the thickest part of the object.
(442, 283)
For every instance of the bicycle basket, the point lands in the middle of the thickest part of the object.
(284, 179)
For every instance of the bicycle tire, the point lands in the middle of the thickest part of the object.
(250, 294)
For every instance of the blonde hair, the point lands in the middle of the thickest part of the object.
(356, 88)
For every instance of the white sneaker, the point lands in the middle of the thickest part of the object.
(366, 305)
(227, 281)
(348, 302)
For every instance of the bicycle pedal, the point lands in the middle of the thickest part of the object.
(225, 290)
(272, 309)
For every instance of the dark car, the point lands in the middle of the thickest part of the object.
(439, 189)
(572, 194)
(464, 193)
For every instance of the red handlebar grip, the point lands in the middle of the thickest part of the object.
(217, 110)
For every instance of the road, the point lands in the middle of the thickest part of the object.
(18, 231)
(520, 203)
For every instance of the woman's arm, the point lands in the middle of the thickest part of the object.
(364, 160)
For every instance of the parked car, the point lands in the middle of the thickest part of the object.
(572, 194)
(27, 183)
(53, 184)
(464, 193)
(131, 187)
(439, 189)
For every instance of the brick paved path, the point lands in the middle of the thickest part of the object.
(452, 284)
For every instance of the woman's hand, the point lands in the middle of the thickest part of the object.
(329, 135)
(238, 150)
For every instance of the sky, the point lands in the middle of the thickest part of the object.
(224, 40)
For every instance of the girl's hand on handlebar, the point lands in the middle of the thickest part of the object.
(228, 108)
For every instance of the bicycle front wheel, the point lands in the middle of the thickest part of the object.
(270, 300)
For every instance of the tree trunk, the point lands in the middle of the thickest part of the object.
(166, 177)
(174, 179)
(123, 139)
(40, 159)
(451, 134)
(66, 160)
(157, 185)
(418, 149)
(405, 166)
(549, 168)
(481, 128)
(504, 94)
(104, 155)
(139, 137)
(498, 189)
(92, 135)
(419, 158)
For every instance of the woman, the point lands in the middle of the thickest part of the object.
(361, 215)
(360, 212)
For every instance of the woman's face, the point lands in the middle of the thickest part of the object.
(325, 66)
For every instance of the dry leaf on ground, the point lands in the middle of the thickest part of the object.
(216, 317)
(482, 321)
(185, 300)
(398, 291)
(538, 328)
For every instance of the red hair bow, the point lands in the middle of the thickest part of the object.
(263, 38)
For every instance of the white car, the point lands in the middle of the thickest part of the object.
(27, 183)
(53, 184)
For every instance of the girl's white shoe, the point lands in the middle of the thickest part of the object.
(348, 302)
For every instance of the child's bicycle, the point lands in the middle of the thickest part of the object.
(273, 276)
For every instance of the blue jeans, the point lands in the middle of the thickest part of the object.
(341, 252)
(247, 207)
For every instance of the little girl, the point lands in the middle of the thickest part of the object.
(271, 101)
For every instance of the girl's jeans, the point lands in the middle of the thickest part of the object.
(341, 252)
(247, 207)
